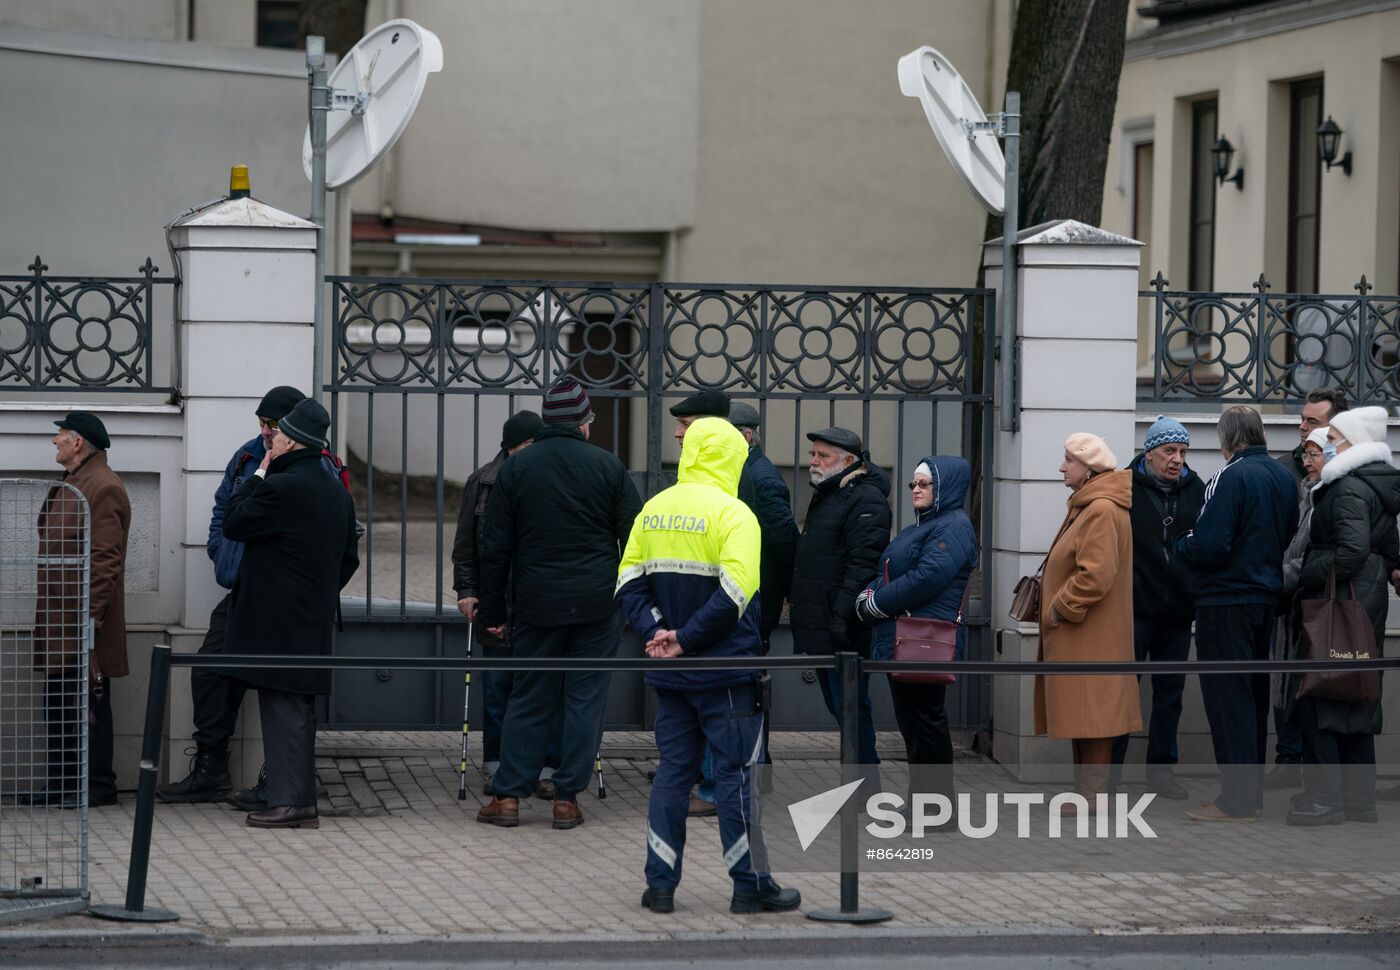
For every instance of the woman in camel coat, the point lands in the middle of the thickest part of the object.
(1086, 613)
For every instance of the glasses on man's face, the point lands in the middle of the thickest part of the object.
(915, 485)
(265, 423)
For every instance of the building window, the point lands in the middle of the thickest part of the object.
(1200, 273)
(277, 24)
(1304, 185)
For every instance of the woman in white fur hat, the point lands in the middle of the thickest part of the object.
(1354, 534)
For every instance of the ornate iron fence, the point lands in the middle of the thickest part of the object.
(78, 332)
(427, 369)
(1264, 347)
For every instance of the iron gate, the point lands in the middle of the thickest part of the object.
(45, 637)
(426, 371)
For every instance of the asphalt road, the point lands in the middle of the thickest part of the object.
(862, 952)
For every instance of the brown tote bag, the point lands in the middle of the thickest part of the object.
(1025, 599)
(921, 638)
(1339, 629)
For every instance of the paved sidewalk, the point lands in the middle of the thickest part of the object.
(398, 855)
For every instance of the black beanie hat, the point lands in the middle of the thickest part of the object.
(306, 423)
(520, 426)
(278, 402)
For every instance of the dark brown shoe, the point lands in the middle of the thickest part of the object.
(504, 812)
(285, 817)
(567, 815)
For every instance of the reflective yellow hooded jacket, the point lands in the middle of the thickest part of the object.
(692, 560)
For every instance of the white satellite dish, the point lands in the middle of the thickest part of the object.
(959, 123)
(380, 80)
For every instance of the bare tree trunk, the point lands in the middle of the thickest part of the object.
(341, 22)
(1066, 57)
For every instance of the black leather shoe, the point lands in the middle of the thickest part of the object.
(1311, 813)
(43, 799)
(659, 900)
(1284, 774)
(102, 801)
(1367, 815)
(285, 817)
(774, 899)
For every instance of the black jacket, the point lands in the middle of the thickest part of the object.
(471, 523)
(1354, 533)
(1235, 552)
(1292, 462)
(556, 523)
(847, 527)
(763, 490)
(298, 526)
(1161, 583)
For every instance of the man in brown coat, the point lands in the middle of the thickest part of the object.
(59, 632)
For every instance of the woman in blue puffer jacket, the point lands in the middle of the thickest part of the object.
(923, 572)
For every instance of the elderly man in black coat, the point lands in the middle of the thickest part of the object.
(298, 524)
(847, 528)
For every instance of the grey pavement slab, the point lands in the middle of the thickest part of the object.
(408, 861)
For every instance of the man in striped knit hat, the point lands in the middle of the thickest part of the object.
(556, 523)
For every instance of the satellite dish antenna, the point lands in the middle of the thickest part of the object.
(959, 124)
(380, 81)
(956, 119)
(355, 116)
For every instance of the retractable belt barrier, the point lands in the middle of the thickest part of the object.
(848, 665)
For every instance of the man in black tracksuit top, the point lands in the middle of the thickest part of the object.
(555, 526)
(1167, 496)
(1235, 554)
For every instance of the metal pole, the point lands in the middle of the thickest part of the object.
(318, 108)
(134, 911)
(1011, 226)
(848, 674)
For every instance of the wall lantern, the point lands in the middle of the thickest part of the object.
(1220, 154)
(1329, 136)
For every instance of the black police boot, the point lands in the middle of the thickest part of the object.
(208, 780)
(773, 899)
(251, 799)
(659, 900)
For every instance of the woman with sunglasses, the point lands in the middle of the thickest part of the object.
(923, 572)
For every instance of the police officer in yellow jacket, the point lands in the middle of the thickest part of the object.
(687, 583)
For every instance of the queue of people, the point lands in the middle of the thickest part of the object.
(554, 548)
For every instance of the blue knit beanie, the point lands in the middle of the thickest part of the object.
(1165, 431)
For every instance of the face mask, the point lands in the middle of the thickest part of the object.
(1329, 451)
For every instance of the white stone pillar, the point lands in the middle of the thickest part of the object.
(1077, 323)
(246, 317)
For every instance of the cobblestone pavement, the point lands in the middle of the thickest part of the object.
(397, 854)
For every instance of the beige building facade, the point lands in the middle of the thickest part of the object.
(1263, 76)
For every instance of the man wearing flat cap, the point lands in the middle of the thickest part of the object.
(517, 434)
(297, 525)
(59, 636)
(705, 404)
(847, 527)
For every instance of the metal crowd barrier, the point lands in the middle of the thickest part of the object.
(849, 667)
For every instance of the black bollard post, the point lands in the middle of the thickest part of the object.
(848, 674)
(134, 911)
